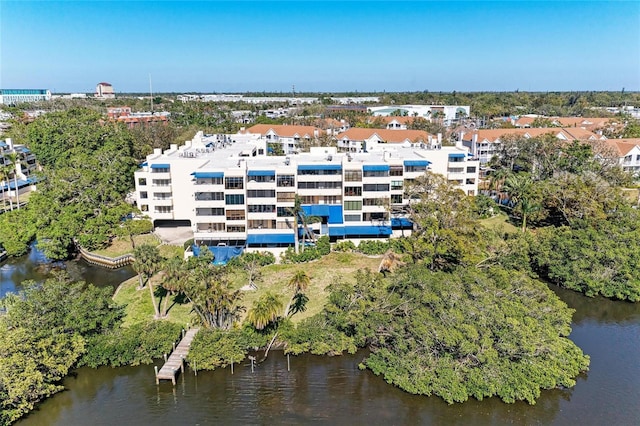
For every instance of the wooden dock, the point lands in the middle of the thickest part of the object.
(176, 360)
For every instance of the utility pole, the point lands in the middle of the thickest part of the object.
(150, 94)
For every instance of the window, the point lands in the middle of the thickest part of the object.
(209, 212)
(286, 197)
(374, 216)
(284, 225)
(235, 228)
(261, 208)
(395, 171)
(209, 196)
(286, 180)
(233, 183)
(396, 198)
(262, 224)
(142, 181)
(381, 173)
(284, 212)
(456, 170)
(373, 201)
(144, 207)
(160, 170)
(235, 214)
(161, 182)
(353, 176)
(144, 195)
(332, 199)
(396, 184)
(352, 218)
(319, 185)
(353, 205)
(261, 193)
(211, 227)
(413, 169)
(470, 181)
(352, 191)
(319, 172)
(234, 199)
(209, 181)
(262, 179)
(471, 169)
(309, 199)
(375, 187)
(161, 195)
(163, 209)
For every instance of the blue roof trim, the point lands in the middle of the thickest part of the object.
(270, 238)
(461, 155)
(417, 163)
(145, 164)
(261, 173)
(205, 175)
(320, 167)
(401, 222)
(316, 210)
(381, 231)
(376, 168)
(160, 166)
(336, 231)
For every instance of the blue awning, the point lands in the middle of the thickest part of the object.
(401, 222)
(381, 231)
(221, 254)
(160, 166)
(145, 164)
(417, 163)
(335, 214)
(270, 238)
(376, 168)
(320, 167)
(460, 155)
(336, 232)
(261, 173)
(316, 210)
(205, 175)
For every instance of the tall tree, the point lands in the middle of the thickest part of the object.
(147, 262)
(299, 284)
(265, 310)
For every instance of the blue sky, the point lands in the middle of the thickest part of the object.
(214, 46)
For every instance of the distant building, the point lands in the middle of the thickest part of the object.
(135, 119)
(289, 137)
(104, 91)
(18, 96)
(447, 113)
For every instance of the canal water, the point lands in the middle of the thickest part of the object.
(332, 390)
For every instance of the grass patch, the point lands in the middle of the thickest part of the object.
(500, 221)
(323, 272)
(138, 307)
(120, 246)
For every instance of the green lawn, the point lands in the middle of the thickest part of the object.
(139, 308)
(120, 246)
(275, 277)
(500, 221)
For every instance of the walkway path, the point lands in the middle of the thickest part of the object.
(176, 359)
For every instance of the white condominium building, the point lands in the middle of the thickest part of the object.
(233, 193)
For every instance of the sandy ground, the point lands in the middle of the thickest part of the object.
(175, 236)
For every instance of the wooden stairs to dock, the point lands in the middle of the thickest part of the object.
(175, 361)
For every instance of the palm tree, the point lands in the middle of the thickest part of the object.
(265, 310)
(520, 190)
(5, 173)
(174, 272)
(147, 261)
(299, 283)
(15, 160)
(296, 211)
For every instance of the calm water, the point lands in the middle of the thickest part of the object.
(334, 391)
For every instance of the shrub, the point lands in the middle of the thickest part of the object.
(188, 244)
(344, 246)
(373, 247)
(138, 344)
